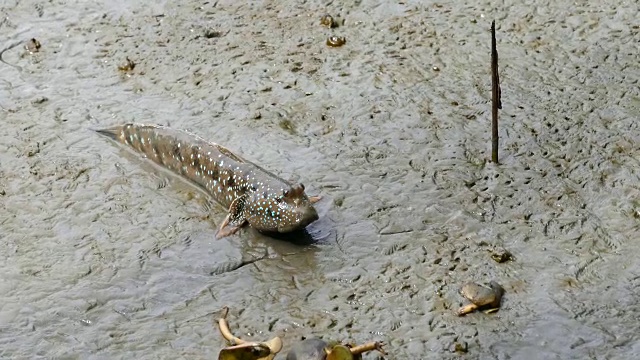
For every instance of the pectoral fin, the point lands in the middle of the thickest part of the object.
(315, 199)
(234, 220)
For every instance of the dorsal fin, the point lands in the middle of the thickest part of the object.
(228, 153)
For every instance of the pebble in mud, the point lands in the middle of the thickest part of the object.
(481, 296)
(336, 41)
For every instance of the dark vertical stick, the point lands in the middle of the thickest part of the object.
(496, 102)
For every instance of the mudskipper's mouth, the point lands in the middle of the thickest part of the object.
(305, 217)
(310, 215)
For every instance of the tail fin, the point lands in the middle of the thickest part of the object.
(112, 133)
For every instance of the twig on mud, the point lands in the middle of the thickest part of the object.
(370, 346)
(274, 345)
(496, 102)
(395, 232)
(223, 325)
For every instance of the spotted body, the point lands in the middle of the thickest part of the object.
(252, 194)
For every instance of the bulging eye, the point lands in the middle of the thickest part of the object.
(302, 187)
(285, 193)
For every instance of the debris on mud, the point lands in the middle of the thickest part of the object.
(501, 255)
(129, 66)
(317, 349)
(328, 21)
(39, 100)
(244, 350)
(481, 296)
(210, 34)
(33, 46)
(307, 349)
(459, 347)
(33, 150)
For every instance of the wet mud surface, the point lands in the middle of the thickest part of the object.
(105, 256)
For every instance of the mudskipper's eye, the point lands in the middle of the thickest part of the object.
(302, 187)
(285, 193)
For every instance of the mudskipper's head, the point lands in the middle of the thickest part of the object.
(282, 210)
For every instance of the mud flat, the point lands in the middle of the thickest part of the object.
(104, 256)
